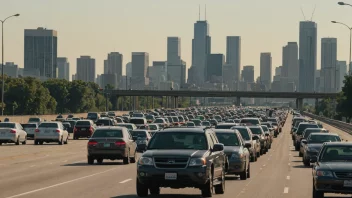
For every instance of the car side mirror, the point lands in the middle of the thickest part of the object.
(218, 147)
(255, 138)
(304, 141)
(266, 134)
(248, 145)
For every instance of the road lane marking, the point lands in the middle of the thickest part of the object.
(285, 190)
(264, 165)
(32, 166)
(124, 181)
(60, 184)
(288, 177)
(64, 161)
(289, 154)
(289, 164)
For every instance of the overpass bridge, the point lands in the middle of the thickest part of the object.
(299, 96)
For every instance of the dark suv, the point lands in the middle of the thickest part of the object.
(83, 128)
(182, 158)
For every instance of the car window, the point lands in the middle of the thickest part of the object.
(113, 133)
(7, 125)
(159, 121)
(34, 120)
(153, 127)
(336, 153)
(319, 139)
(48, 125)
(29, 126)
(244, 133)
(139, 134)
(103, 122)
(256, 131)
(83, 123)
(137, 121)
(178, 140)
(228, 139)
(249, 121)
(224, 126)
(302, 127)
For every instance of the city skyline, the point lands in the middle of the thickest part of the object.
(73, 45)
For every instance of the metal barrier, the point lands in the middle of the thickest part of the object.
(346, 127)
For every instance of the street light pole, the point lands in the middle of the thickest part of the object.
(2, 62)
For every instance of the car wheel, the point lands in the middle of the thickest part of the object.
(317, 194)
(296, 147)
(18, 141)
(90, 160)
(249, 171)
(133, 159)
(126, 160)
(142, 190)
(41, 142)
(61, 141)
(300, 154)
(25, 140)
(220, 188)
(66, 142)
(306, 162)
(243, 175)
(100, 161)
(252, 158)
(207, 190)
(258, 154)
(154, 190)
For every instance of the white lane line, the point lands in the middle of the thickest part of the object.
(64, 161)
(32, 166)
(285, 190)
(60, 184)
(124, 181)
(289, 154)
(289, 164)
(264, 165)
(50, 163)
(288, 177)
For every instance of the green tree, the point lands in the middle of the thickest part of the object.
(344, 105)
(59, 90)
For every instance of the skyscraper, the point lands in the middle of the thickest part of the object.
(341, 73)
(248, 74)
(113, 65)
(140, 64)
(266, 70)
(290, 68)
(215, 63)
(63, 68)
(233, 57)
(201, 47)
(328, 64)
(86, 69)
(40, 51)
(129, 70)
(307, 55)
(173, 51)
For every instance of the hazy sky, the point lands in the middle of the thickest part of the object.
(97, 27)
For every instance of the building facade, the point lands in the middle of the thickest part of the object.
(63, 68)
(86, 69)
(233, 57)
(266, 70)
(328, 64)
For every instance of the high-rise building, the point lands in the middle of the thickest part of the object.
(157, 73)
(215, 63)
(86, 69)
(201, 47)
(63, 68)
(266, 70)
(74, 77)
(40, 51)
(328, 64)
(114, 64)
(173, 51)
(248, 74)
(109, 79)
(233, 56)
(341, 73)
(290, 68)
(129, 70)
(140, 64)
(307, 55)
(11, 69)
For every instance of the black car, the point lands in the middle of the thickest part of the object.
(181, 158)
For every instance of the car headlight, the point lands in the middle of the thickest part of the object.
(197, 162)
(237, 156)
(145, 161)
(324, 173)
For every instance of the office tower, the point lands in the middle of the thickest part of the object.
(328, 64)
(140, 63)
(173, 51)
(341, 73)
(108, 79)
(63, 68)
(40, 51)
(248, 74)
(265, 70)
(290, 67)
(86, 69)
(307, 55)
(201, 47)
(278, 71)
(233, 57)
(74, 77)
(129, 70)
(114, 64)
(157, 73)
(106, 67)
(215, 63)
(11, 69)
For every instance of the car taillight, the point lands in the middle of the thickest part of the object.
(57, 130)
(120, 143)
(92, 143)
(13, 131)
(37, 130)
(90, 129)
(75, 129)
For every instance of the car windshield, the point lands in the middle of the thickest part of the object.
(92, 115)
(28, 126)
(34, 120)
(59, 116)
(48, 125)
(139, 133)
(7, 125)
(137, 121)
(307, 132)
(319, 139)
(178, 140)
(256, 130)
(265, 128)
(337, 153)
(153, 127)
(206, 124)
(175, 119)
(128, 126)
(159, 121)
(244, 133)
(111, 133)
(103, 123)
(302, 127)
(83, 123)
(250, 121)
(224, 126)
(228, 139)
(149, 117)
(197, 122)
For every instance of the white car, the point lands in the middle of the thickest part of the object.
(12, 132)
(51, 132)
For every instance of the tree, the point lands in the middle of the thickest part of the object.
(345, 100)
(59, 90)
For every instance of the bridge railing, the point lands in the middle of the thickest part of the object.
(346, 127)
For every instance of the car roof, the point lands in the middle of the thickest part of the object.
(225, 131)
(109, 127)
(231, 123)
(338, 143)
(192, 130)
(240, 126)
(331, 134)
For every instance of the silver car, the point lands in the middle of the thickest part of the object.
(12, 132)
(51, 132)
(30, 129)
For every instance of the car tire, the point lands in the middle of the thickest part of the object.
(252, 158)
(100, 161)
(220, 188)
(41, 142)
(154, 191)
(207, 190)
(317, 194)
(142, 190)
(126, 160)
(300, 154)
(306, 162)
(90, 160)
(18, 141)
(25, 141)
(296, 147)
(258, 154)
(243, 175)
(133, 159)
(36, 142)
(249, 171)
(66, 142)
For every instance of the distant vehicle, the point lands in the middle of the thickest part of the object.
(93, 116)
(83, 128)
(34, 120)
(30, 129)
(12, 132)
(60, 118)
(51, 132)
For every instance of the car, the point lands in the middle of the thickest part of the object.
(237, 152)
(113, 143)
(264, 141)
(225, 125)
(129, 126)
(181, 158)
(153, 128)
(30, 129)
(72, 125)
(93, 116)
(34, 120)
(268, 134)
(248, 137)
(142, 138)
(51, 132)
(298, 133)
(161, 122)
(251, 121)
(60, 118)
(105, 122)
(314, 143)
(138, 121)
(306, 134)
(83, 128)
(332, 169)
(12, 132)
(206, 123)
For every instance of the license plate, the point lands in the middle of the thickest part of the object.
(47, 131)
(107, 145)
(170, 176)
(347, 183)
(83, 129)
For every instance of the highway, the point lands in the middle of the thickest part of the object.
(52, 170)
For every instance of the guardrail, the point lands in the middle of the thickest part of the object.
(346, 127)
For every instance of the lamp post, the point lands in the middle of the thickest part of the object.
(2, 61)
(343, 3)
(350, 28)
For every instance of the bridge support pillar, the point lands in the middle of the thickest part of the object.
(238, 101)
(316, 103)
(299, 104)
(175, 102)
(153, 105)
(190, 101)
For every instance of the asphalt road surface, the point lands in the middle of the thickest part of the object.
(53, 170)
